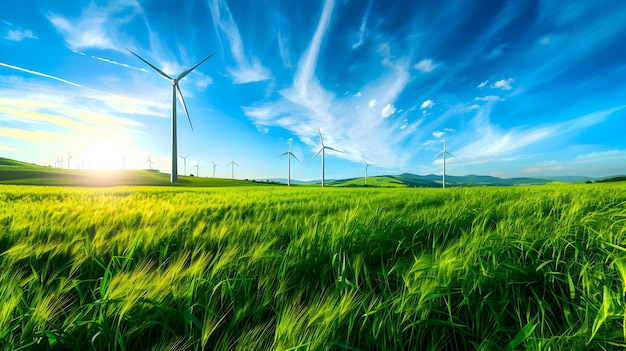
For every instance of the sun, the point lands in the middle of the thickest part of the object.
(102, 154)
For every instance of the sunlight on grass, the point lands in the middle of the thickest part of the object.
(168, 268)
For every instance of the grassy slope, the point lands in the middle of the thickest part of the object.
(16, 172)
(272, 268)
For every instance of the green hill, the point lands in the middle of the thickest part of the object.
(16, 172)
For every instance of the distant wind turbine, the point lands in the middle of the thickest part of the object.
(232, 164)
(60, 161)
(149, 162)
(443, 153)
(289, 155)
(198, 169)
(322, 148)
(175, 93)
(214, 165)
(123, 162)
(185, 161)
(69, 157)
(367, 165)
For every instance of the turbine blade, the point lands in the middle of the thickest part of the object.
(283, 154)
(179, 94)
(153, 67)
(294, 156)
(439, 154)
(452, 155)
(317, 153)
(182, 75)
(330, 148)
(321, 140)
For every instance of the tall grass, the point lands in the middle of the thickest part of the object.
(541, 268)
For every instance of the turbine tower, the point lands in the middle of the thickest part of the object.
(232, 164)
(149, 162)
(289, 155)
(366, 166)
(214, 165)
(197, 169)
(123, 162)
(60, 161)
(185, 161)
(69, 157)
(322, 148)
(175, 93)
(443, 153)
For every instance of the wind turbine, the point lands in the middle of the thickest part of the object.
(69, 157)
(322, 148)
(214, 165)
(149, 162)
(443, 153)
(123, 162)
(367, 165)
(198, 169)
(60, 161)
(232, 164)
(289, 155)
(185, 161)
(175, 93)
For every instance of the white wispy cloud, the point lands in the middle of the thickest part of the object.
(20, 34)
(425, 65)
(249, 68)
(427, 104)
(98, 27)
(504, 84)
(488, 98)
(438, 134)
(359, 132)
(482, 84)
(491, 140)
(387, 111)
(40, 74)
(116, 63)
(362, 27)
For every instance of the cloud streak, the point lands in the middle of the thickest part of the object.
(98, 27)
(40, 74)
(248, 69)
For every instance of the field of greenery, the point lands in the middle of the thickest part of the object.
(277, 268)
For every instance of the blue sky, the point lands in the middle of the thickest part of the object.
(517, 88)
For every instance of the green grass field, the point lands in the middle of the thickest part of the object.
(277, 268)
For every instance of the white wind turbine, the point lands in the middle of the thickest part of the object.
(149, 162)
(197, 169)
(366, 166)
(214, 165)
(443, 153)
(123, 162)
(232, 164)
(322, 148)
(69, 157)
(289, 155)
(185, 161)
(175, 93)
(60, 161)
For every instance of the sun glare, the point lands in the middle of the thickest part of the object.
(102, 154)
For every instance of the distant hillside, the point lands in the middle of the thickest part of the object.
(613, 179)
(434, 181)
(16, 172)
